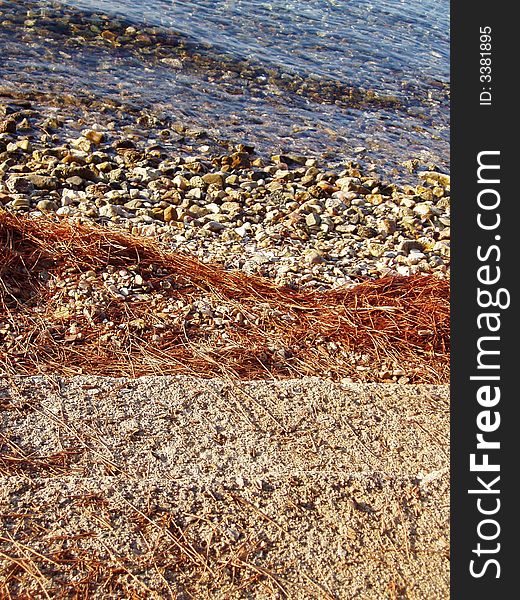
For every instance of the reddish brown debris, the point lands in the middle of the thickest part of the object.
(373, 331)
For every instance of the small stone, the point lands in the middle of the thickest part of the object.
(388, 226)
(194, 193)
(146, 174)
(348, 228)
(197, 182)
(112, 210)
(213, 179)
(20, 184)
(213, 208)
(43, 182)
(328, 188)
(314, 257)
(230, 207)
(232, 180)
(47, 206)
(415, 257)
(170, 214)
(69, 196)
(313, 220)
(375, 199)
(113, 174)
(8, 126)
(96, 137)
(274, 186)
(148, 230)
(443, 249)
(133, 204)
(366, 232)
(81, 144)
(375, 249)
(196, 211)
(407, 246)
(89, 209)
(20, 203)
(215, 226)
(434, 177)
(425, 193)
(65, 211)
(243, 230)
(74, 181)
(423, 210)
(351, 184)
(24, 145)
(335, 205)
(180, 182)
(407, 203)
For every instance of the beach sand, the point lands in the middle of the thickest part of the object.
(178, 487)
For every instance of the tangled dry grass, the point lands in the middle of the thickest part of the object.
(363, 332)
(60, 566)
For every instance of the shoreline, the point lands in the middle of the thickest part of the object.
(239, 97)
(304, 450)
(280, 264)
(294, 219)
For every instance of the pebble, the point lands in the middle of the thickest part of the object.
(408, 246)
(311, 225)
(313, 257)
(95, 137)
(47, 206)
(432, 176)
(8, 126)
(21, 184)
(313, 220)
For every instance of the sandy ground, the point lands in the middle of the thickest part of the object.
(176, 487)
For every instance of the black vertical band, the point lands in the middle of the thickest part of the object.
(486, 231)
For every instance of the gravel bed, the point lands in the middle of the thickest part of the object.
(290, 218)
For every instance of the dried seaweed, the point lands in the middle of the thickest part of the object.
(365, 331)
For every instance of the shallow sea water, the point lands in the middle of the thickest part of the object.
(276, 74)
